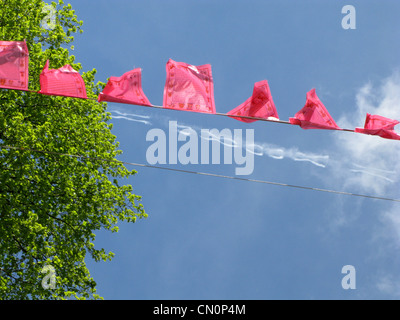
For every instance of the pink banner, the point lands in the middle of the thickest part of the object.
(380, 126)
(125, 89)
(189, 87)
(14, 64)
(314, 115)
(259, 105)
(64, 81)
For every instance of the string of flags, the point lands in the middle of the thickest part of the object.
(187, 88)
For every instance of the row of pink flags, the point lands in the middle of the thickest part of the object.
(187, 87)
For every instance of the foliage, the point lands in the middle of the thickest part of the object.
(51, 205)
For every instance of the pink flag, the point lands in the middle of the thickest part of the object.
(314, 115)
(189, 87)
(14, 60)
(64, 81)
(125, 89)
(380, 126)
(259, 105)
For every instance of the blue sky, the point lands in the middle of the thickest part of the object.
(213, 238)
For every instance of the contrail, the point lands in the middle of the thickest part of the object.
(260, 149)
(131, 117)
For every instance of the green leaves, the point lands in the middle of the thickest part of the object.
(51, 206)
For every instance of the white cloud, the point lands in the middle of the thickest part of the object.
(388, 285)
(373, 162)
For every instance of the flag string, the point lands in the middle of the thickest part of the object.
(187, 87)
(205, 174)
(165, 108)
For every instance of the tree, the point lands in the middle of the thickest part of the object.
(51, 204)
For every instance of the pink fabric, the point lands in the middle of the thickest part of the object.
(380, 126)
(64, 81)
(14, 64)
(259, 105)
(189, 87)
(314, 115)
(125, 89)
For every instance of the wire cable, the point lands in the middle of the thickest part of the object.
(206, 174)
